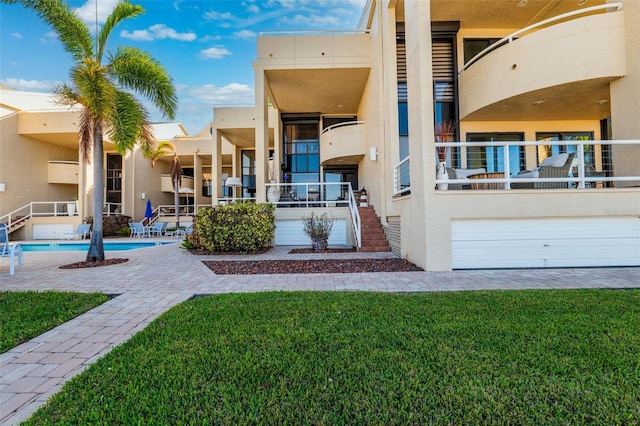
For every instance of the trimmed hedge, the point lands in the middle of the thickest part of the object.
(243, 228)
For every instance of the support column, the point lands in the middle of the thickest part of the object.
(261, 138)
(216, 167)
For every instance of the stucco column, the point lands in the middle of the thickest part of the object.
(216, 166)
(261, 138)
(422, 230)
(625, 99)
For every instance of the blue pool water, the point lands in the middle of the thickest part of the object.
(85, 246)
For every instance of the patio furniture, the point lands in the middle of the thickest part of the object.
(10, 250)
(159, 228)
(557, 166)
(83, 230)
(138, 230)
(487, 185)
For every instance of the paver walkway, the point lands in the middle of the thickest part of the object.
(155, 279)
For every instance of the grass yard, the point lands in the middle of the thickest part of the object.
(27, 314)
(338, 358)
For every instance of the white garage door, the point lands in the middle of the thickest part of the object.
(291, 233)
(539, 243)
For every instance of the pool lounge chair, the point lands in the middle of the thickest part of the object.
(557, 166)
(10, 250)
(159, 229)
(83, 230)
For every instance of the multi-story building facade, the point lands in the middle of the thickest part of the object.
(528, 108)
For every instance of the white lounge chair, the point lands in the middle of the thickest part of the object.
(83, 230)
(10, 250)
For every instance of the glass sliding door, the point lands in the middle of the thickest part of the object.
(301, 152)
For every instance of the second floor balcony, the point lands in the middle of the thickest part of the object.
(560, 70)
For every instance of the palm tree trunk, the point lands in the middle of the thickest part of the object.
(96, 246)
(176, 199)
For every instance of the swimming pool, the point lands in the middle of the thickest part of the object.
(64, 246)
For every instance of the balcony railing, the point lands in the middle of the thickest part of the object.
(538, 25)
(586, 164)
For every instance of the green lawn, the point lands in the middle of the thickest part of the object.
(27, 314)
(340, 358)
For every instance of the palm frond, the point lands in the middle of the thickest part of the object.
(129, 123)
(176, 172)
(123, 10)
(85, 135)
(139, 71)
(73, 33)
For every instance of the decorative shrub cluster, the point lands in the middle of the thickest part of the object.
(243, 228)
(317, 226)
(112, 225)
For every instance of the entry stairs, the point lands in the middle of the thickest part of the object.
(372, 234)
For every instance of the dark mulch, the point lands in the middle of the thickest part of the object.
(106, 262)
(327, 250)
(328, 266)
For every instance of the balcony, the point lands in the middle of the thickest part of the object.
(590, 165)
(167, 186)
(566, 62)
(63, 172)
(342, 143)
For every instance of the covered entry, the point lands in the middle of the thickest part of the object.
(539, 243)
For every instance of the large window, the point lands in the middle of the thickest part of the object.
(248, 174)
(545, 151)
(301, 149)
(491, 158)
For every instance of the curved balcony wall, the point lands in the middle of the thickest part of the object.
(63, 172)
(589, 48)
(167, 186)
(343, 144)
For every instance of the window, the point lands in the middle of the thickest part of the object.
(474, 46)
(545, 151)
(248, 174)
(491, 158)
(301, 149)
(444, 82)
(403, 114)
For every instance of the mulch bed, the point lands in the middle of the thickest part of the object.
(327, 250)
(328, 266)
(82, 265)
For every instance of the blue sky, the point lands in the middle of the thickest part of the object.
(207, 46)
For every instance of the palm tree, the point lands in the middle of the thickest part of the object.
(162, 150)
(101, 87)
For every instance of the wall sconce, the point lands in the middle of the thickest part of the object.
(3, 186)
(373, 153)
(143, 196)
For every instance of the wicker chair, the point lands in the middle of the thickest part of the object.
(548, 172)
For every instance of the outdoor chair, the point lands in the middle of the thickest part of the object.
(138, 230)
(10, 250)
(159, 229)
(557, 166)
(83, 230)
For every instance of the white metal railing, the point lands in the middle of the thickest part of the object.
(517, 165)
(37, 208)
(343, 124)
(235, 200)
(319, 194)
(401, 177)
(510, 38)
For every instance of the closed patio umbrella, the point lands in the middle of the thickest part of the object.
(149, 212)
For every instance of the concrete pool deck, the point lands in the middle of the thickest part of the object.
(157, 278)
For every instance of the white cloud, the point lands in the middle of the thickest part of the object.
(30, 85)
(311, 21)
(158, 32)
(245, 34)
(16, 35)
(49, 38)
(87, 12)
(252, 8)
(212, 15)
(214, 53)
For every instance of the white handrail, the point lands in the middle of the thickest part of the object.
(343, 124)
(542, 23)
(355, 218)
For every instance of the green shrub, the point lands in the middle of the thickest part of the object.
(243, 228)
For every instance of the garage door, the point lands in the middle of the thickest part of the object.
(291, 233)
(539, 243)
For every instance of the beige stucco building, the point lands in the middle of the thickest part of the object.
(536, 103)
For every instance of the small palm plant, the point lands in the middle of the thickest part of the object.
(318, 228)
